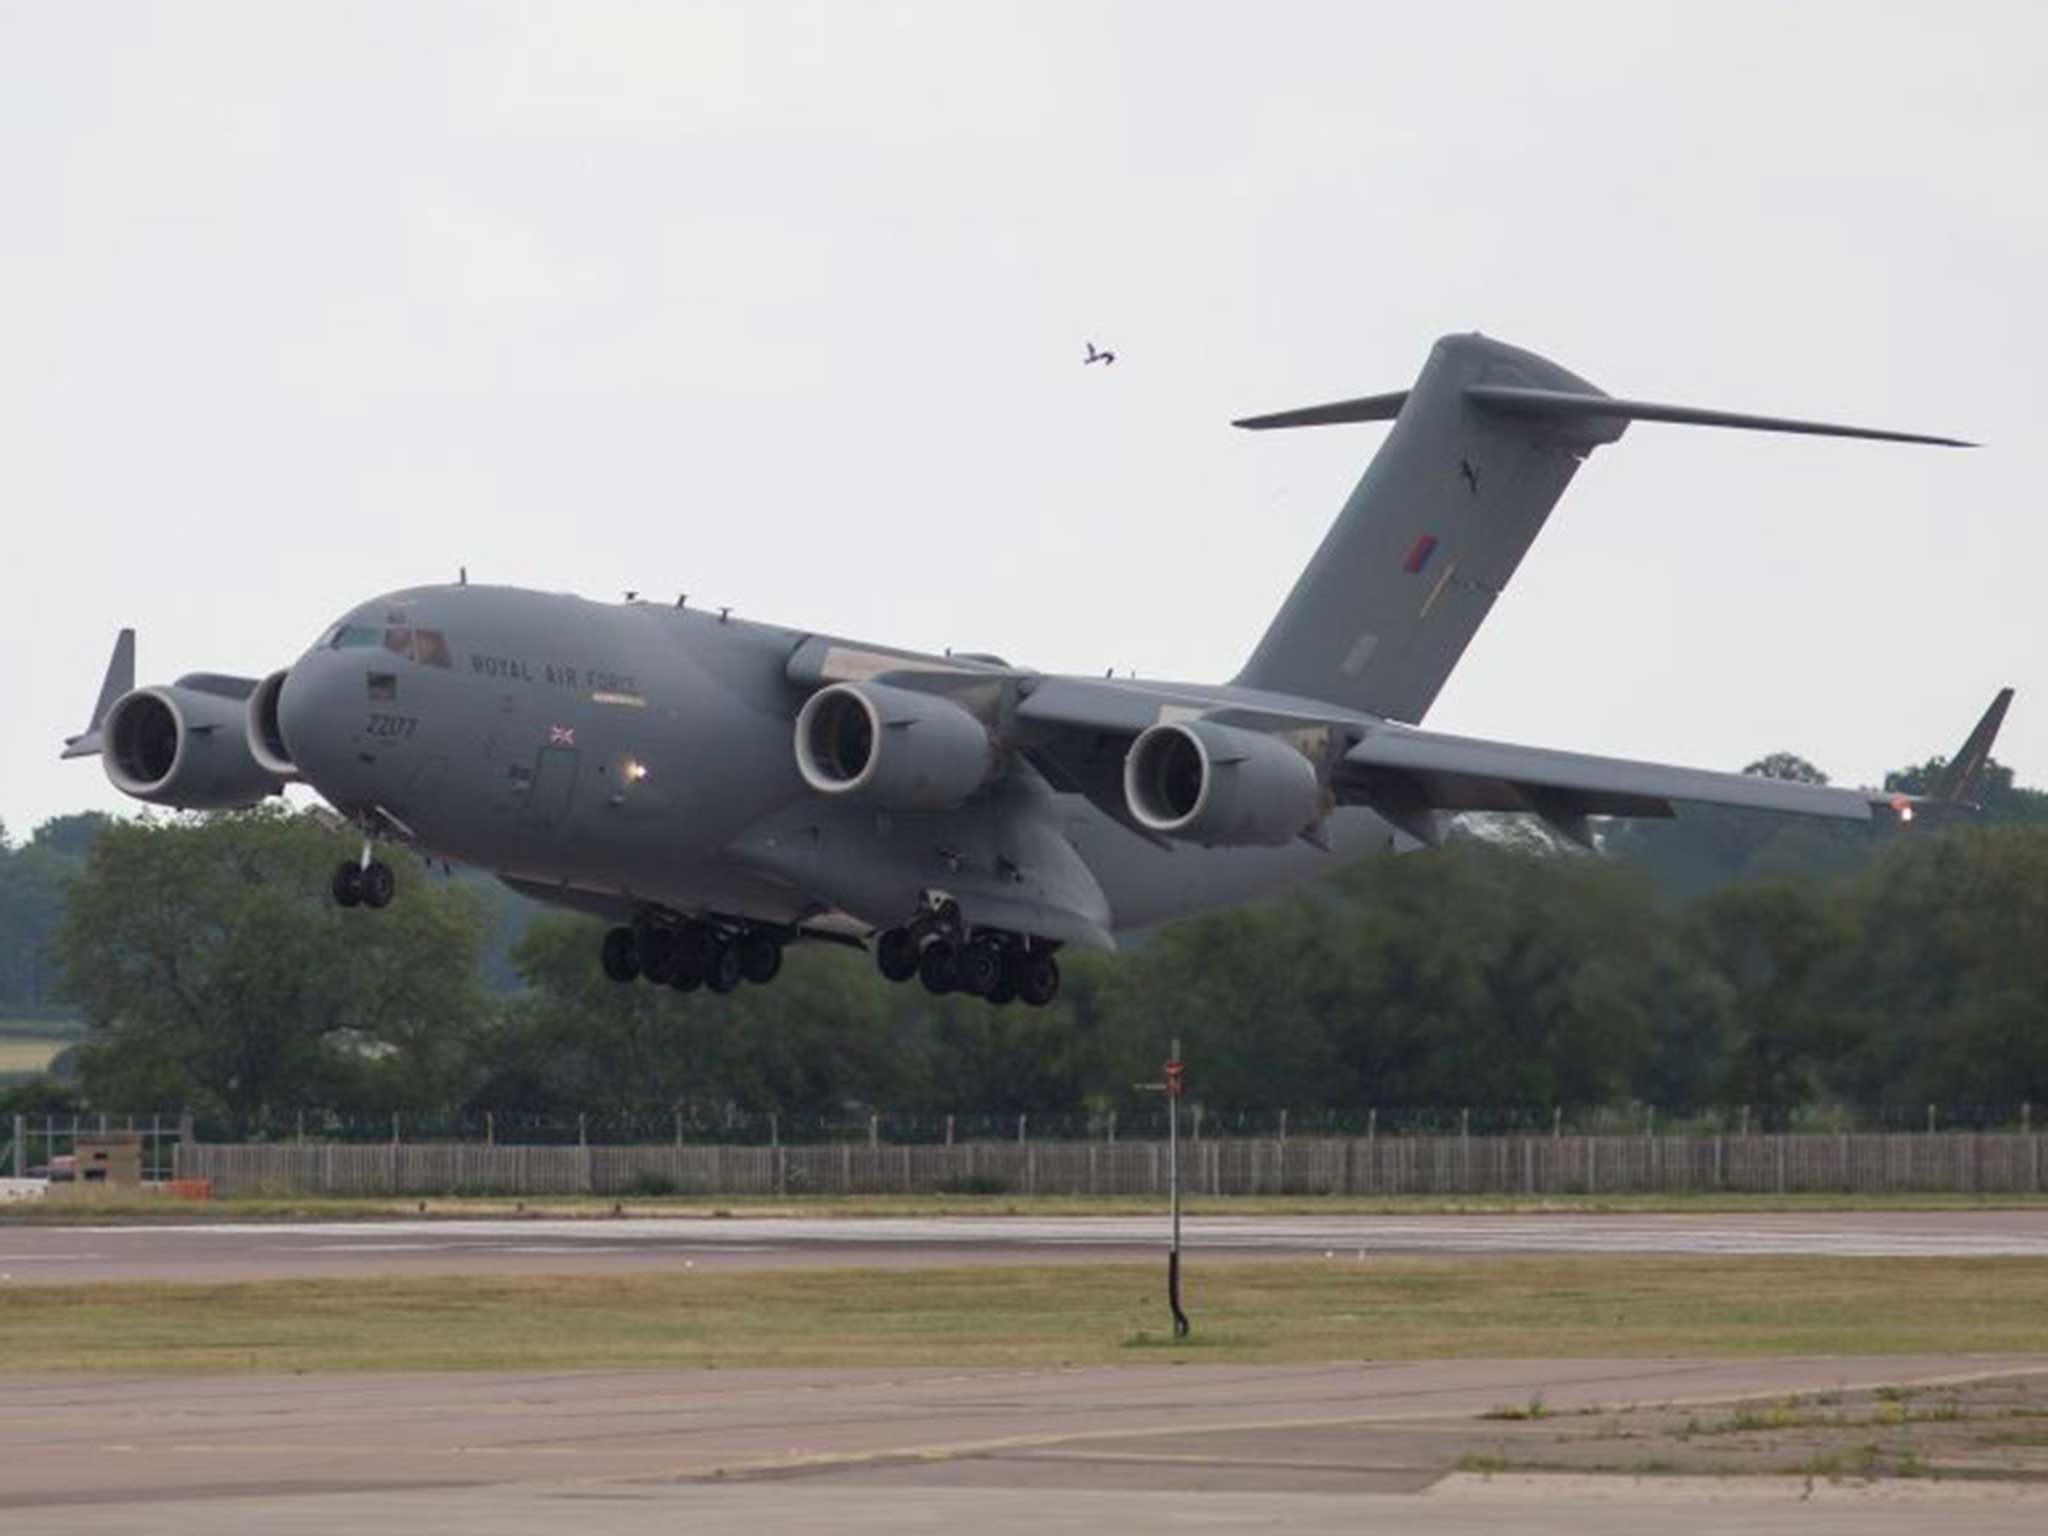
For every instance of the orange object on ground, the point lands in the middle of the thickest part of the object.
(189, 1189)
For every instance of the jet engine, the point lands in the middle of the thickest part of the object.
(892, 747)
(1219, 785)
(183, 747)
(266, 740)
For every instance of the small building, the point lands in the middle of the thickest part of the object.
(109, 1157)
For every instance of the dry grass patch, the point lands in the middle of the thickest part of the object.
(1393, 1308)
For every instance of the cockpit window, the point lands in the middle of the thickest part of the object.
(355, 637)
(399, 642)
(430, 647)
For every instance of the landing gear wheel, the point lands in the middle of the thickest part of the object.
(347, 885)
(939, 967)
(1038, 980)
(695, 945)
(760, 958)
(896, 955)
(1005, 989)
(621, 954)
(660, 955)
(379, 884)
(981, 968)
(723, 974)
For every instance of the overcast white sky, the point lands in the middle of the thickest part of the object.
(784, 306)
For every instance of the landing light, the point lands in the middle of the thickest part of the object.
(1903, 808)
(635, 770)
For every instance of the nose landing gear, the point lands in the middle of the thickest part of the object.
(360, 883)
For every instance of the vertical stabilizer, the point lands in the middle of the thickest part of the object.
(1444, 514)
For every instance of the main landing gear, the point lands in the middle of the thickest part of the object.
(994, 966)
(689, 955)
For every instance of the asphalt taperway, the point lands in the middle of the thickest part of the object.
(215, 1252)
(1307, 1448)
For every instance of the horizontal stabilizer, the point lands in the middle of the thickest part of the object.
(1366, 408)
(1517, 400)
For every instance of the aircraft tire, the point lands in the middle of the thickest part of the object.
(938, 967)
(695, 946)
(760, 958)
(687, 980)
(379, 884)
(980, 968)
(723, 974)
(1005, 989)
(621, 954)
(660, 955)
(1038, 980)
(347, 885)
(896, 954)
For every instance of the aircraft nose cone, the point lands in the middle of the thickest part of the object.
(312, 718)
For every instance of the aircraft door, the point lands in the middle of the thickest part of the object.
(552, 789)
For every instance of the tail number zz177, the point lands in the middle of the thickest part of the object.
(392, 725)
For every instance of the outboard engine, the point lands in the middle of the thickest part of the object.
(184, 746)
(1220, 785)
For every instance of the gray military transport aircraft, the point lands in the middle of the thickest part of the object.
(719, 788)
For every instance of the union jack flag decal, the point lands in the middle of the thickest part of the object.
(561, 736)
(1419, 553)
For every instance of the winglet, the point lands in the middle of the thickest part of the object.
(1959, 778)
(1958, 781)
(120, 679)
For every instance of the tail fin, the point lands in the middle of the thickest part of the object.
(1480, 451)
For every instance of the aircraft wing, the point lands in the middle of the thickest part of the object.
(1408, 776)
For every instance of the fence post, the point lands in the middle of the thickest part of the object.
(949, 1130)
(875, 1134)
(1020, 1129)
(302, 1128)
(1198, 1124)
(21, 1146)
(394, 1128)
(490, 1128)
(1930, 1119)
(1557, 1122)
(1781, 1162)
(1465, 1151)
(1112, 1127)
(1372, 1150)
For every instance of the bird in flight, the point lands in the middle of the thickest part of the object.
(1097, 357)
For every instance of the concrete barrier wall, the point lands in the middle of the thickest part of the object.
(1961, 1162)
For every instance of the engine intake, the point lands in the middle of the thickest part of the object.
(1217, 784)
(892, 747)
(266, 740)
(183, 747)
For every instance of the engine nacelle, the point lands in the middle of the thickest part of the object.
(892, 747)
(260, 727)
(1217, 784)
(182, 747)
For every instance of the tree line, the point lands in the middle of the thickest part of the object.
(1724, 958)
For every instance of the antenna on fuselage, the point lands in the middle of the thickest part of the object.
(462, 575)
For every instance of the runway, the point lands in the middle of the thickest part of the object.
(1314, 1448)
(254, 1251)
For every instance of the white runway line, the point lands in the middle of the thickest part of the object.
(1854, 1235)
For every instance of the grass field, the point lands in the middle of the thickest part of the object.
(30, 1055)
(77, 1204)
(1312, 1310)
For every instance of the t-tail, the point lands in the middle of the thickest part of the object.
(1481, 448)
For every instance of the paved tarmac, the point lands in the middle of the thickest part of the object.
(1310, 1448)
(65, 1255)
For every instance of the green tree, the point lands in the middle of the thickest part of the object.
(214, 970)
